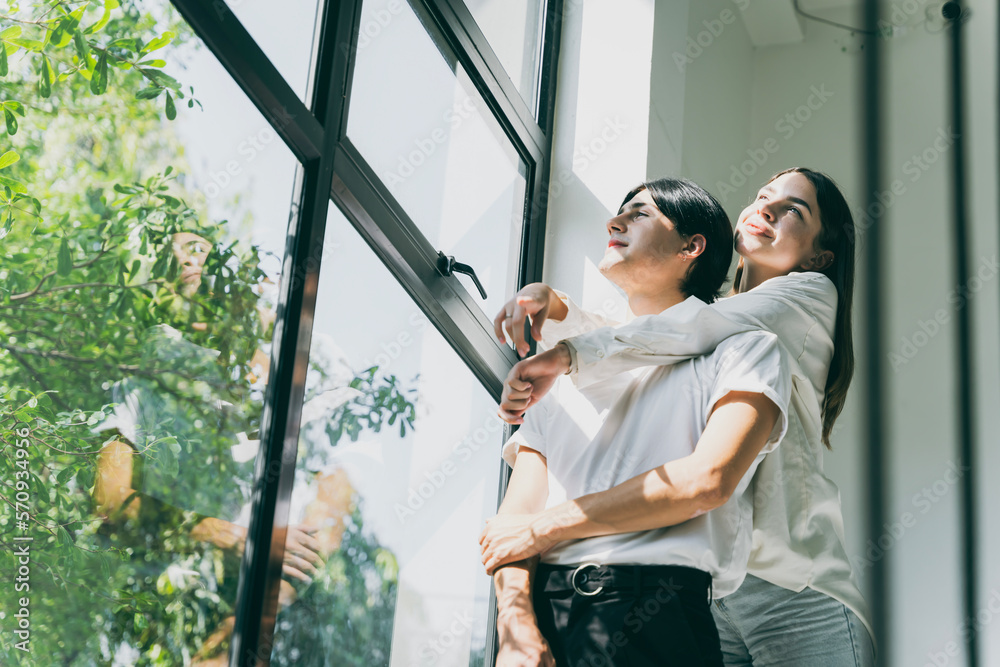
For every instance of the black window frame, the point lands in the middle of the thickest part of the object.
(332, 168)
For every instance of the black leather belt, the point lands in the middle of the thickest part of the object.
(591, 579)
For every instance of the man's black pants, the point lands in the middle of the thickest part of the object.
(627, 615)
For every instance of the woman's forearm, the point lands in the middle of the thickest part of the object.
(664, 496)
(789, 306)
(737, 430)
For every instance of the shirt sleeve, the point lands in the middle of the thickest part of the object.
(124, 415)
(576, 322)
(790, 306)
(530, 434)
(755, 362)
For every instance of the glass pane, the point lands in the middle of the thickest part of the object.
(419, 122)
(514, 30)
(141, 300)
(398, 469)
(285, 36)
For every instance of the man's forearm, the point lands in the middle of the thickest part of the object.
(513, 587)
(222, 534)
(515, 610)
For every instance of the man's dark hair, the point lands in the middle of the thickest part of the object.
(694, 211)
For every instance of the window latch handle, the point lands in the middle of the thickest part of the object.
(447, 265)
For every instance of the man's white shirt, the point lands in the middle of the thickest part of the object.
(798, 539)
(612, 430)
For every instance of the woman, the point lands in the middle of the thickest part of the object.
(799, 604)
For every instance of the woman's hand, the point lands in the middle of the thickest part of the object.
(508, 538)
(301, 553)
(537, 301)
(529, 380)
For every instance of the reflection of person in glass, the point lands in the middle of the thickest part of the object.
(180, 445)
(643, 597)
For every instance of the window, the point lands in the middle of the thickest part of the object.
(397, 466)
(442, 154)
(191, 389)
(383, 317)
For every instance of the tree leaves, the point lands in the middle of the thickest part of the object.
(150, 93)
(10, 108)
(65, 29)
(162, 79)
(45, 77)
(157, 43)
(103, 21)
(99, 80)
(8, 158)
(171, 110)
(81, 46)
(65, 260)
(10, 120)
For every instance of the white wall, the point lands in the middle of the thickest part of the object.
(716, 105)
(601, 138)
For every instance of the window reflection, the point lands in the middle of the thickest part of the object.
(136, 316)
(396, 472)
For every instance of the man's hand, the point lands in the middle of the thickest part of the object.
(512, 537)
(537, 301)
(529, 380)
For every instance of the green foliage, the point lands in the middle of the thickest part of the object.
(67, 48)
(379, 401)
(94, 301)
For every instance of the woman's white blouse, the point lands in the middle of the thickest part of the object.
(798, 526)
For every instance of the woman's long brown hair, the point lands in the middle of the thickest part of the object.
(836, 235)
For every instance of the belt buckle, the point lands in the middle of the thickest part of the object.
(576, 588)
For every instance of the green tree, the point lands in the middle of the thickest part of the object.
(94, 298)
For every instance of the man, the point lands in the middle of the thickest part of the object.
(641, 597)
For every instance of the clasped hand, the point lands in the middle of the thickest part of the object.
(530, 379)
(509, 538)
